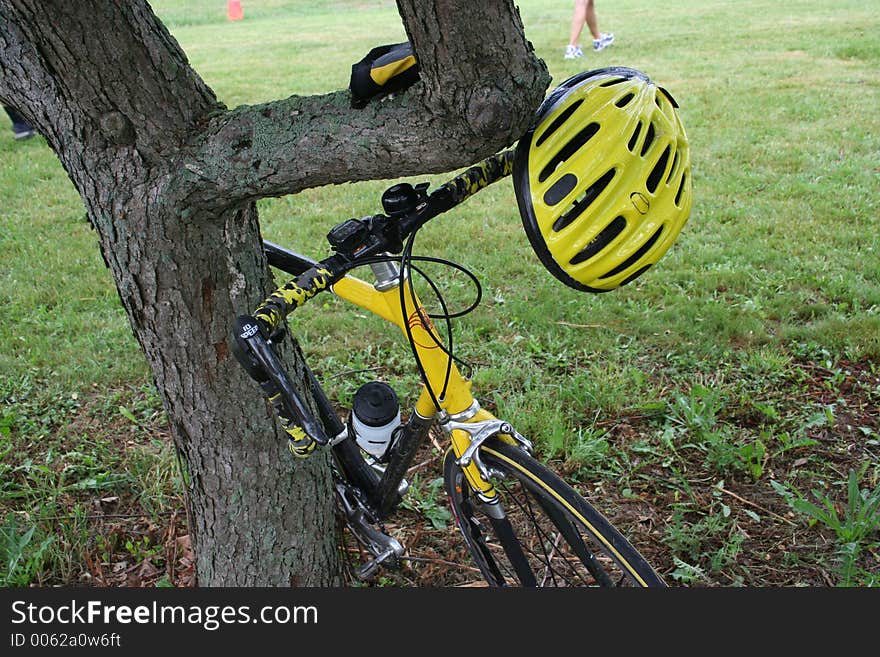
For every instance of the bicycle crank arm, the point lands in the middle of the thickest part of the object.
(369, 569)
(379, 544)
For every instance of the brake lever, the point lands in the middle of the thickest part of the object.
(257, 355)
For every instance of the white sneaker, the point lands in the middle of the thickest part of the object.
(603, 41)
(573, 52)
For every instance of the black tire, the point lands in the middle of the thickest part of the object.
(554, 536)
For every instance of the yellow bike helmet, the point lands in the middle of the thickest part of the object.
(603, 178)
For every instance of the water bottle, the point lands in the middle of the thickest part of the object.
(375, 418)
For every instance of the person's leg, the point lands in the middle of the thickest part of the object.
(590, 18)
(21, 129)
(601, 40)
(573, 50)
(578, 19)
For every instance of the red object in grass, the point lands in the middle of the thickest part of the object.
(234, 10)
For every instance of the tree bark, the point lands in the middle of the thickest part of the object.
(169, 178)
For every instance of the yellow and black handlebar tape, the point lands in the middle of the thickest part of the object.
(300, 444)
(480, 175)
(272, 314)
(291, 296)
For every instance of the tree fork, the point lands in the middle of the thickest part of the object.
(169, 178)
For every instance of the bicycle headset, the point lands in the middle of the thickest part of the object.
(603, 179)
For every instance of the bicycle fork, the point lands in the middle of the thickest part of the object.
(467, 434)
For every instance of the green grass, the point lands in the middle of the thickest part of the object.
(860, 519)
(702, 370)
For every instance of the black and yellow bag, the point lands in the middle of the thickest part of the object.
(384, 70)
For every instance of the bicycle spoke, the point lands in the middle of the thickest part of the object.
(524, 502)
(573, 538)
(564, 540)
(474, 527)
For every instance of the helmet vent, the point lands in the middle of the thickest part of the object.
(623, 101)
(649, 139)
(635, 257)
(560, 189)
(601, 240)
(680, 190)
(658, 171)
(633, 277)
(562, 118)
(612, 82)
(635, 137)
(568, 150)
(669, 97)
(672, 168)
(583, 201)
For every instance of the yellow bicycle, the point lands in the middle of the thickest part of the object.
(521, 523)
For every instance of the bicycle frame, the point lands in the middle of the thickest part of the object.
(459, 414)
(367, 489)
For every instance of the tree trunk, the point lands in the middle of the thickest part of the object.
(169, 180)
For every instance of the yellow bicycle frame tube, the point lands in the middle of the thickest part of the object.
(458, 398)
(386, 304)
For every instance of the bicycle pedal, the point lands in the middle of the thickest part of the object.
(368, 570)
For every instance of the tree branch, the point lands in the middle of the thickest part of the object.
(286, 146)
(474, 58)
(480, 83)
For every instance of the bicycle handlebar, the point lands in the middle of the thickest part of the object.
(408, 208)
(257, 355)
(479, 176)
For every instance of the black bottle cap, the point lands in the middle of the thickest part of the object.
(375, 404)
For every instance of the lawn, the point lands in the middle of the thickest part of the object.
(722, 409)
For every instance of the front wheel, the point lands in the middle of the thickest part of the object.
(548, 534)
